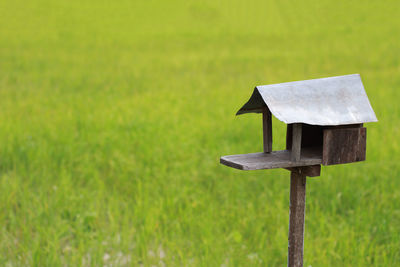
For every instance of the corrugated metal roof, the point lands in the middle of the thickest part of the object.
(327, 101)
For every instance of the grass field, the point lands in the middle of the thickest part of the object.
(113, 116)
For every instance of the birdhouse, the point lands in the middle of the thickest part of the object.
(324, 120)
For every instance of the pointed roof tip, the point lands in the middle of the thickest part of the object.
(326, 101)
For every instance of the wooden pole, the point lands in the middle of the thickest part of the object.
(296, 220)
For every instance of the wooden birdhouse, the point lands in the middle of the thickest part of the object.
(324, 120)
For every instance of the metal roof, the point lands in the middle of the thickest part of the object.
(327, 101)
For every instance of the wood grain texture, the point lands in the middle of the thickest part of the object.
(296, 219)
(267, 130)
(275, 159)
(344, 145)
(310, 171)
(296, 142)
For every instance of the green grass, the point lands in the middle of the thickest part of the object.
(113, 115)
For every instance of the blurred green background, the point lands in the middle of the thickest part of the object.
(113, 116)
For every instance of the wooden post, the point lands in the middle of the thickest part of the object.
(296, 218)
(267, 130)
(296, 142)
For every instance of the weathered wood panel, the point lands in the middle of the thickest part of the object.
(275, 159)
(357, 125)
(267, 130)
(310, 171)
(296, 219)
(344, 145)
(313, 135)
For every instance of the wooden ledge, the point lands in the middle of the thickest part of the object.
(272, 160)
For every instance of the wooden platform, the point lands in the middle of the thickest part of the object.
(272, 160)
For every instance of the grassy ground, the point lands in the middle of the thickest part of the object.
(113, 115)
